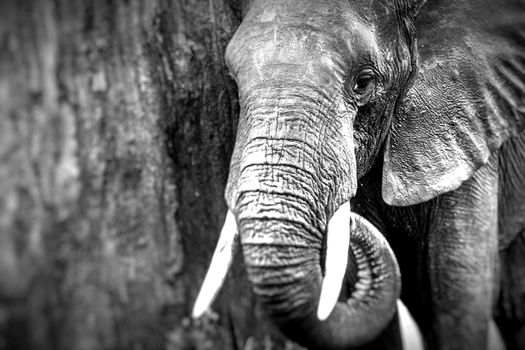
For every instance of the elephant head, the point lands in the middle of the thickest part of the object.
(321, 84)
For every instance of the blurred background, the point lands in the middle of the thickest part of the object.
(117, 121)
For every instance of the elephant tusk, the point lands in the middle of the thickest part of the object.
(337, 243)
(410, 333)
(220, 263)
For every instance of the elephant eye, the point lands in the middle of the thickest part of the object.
(363, 83)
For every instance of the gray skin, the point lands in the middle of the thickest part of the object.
(415, 112)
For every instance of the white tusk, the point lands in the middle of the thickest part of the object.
(337, 243)
(410, 333)
(220, 263)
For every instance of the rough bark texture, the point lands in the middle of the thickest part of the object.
(117, 121)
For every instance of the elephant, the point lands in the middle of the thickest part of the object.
(380, 156)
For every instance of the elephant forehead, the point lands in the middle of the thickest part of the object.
(316, 36)
(323, 13)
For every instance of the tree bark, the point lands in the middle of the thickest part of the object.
(117, 122)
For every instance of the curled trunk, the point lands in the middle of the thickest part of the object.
(286, 276)
(292, 168)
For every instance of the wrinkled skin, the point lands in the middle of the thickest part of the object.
(415, 113)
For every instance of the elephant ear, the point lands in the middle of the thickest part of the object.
(466, 99)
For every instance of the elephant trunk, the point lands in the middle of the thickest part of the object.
(283, 263)
(290, 172)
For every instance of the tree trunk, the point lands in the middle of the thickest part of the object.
(117, 122)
